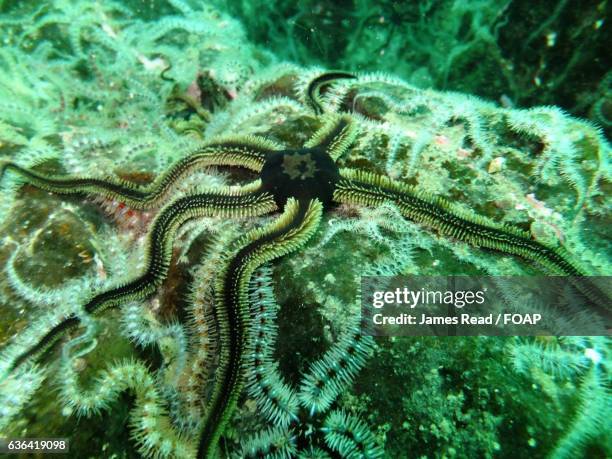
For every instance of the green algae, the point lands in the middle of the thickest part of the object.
(451, 397)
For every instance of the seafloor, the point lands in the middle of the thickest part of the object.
(98, 89)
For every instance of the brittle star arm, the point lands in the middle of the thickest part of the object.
(286, 234)
(364, 188)
(313, 92)
(248, 152)
(229, 203)
(335, 137)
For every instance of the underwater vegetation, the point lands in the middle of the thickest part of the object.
(185, 219)
(514, 51)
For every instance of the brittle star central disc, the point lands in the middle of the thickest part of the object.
(306, 173)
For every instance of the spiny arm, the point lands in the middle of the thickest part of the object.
(357, 187)
(313, 91)
(248, 152)
(335, 137)
(226, 202)
(290, 231)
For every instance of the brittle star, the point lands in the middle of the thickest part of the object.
(301, 184)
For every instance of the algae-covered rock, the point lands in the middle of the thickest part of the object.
(103, 91)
